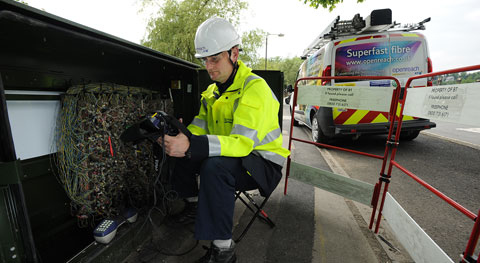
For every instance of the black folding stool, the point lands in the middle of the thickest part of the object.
(256, 209)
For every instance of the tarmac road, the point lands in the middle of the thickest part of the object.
(462, 134)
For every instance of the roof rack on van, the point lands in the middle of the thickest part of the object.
(379, 20)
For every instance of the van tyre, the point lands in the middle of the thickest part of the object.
(317, 133)
(409, 135)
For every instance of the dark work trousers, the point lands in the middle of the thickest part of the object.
(219, 178)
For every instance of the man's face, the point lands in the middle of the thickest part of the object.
(218, 66)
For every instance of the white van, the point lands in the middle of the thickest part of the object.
(363, 47)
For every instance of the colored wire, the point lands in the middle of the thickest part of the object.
(99, 173)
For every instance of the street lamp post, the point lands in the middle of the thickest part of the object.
(266, 45)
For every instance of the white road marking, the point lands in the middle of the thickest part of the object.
(477, 130)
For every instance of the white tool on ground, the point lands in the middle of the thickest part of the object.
(107, 229)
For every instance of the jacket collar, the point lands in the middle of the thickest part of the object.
(222, 87)
(242, 73)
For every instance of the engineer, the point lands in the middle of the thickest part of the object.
(236, 142)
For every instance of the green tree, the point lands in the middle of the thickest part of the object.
(22, 2)
(330, 4)
(289, 67)
(470, 77)
(173, 27)
(251, 41)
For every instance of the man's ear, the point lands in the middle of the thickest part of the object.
(235, 54)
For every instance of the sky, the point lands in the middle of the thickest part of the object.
(453, 34)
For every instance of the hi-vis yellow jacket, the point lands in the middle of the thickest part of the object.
(242, 120)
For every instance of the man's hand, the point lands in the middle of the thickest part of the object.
(175, 146)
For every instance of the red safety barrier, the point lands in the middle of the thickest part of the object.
(392, 145)
(473, 240)
(392, 114)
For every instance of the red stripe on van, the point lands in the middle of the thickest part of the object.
(343, 117)
(362, 38)
(396, 35)
(371, 115)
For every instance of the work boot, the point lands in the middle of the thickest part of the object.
(187, 216)
(219, 255)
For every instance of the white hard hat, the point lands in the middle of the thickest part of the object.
(214, 36)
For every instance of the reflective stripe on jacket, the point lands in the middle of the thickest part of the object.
(242, 120)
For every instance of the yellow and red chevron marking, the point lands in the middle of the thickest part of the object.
(378, 36)
(351, 116)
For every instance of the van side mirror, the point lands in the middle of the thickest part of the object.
(290, 88)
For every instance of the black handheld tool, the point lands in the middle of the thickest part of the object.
(154, 126)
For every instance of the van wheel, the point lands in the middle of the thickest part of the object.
(317, 133)
(409, 135)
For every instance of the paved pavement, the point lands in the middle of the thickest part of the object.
(312, 225)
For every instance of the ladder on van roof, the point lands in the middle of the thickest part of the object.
(379, 20)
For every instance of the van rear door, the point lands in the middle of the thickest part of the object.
(400, 55)
(409, 57)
